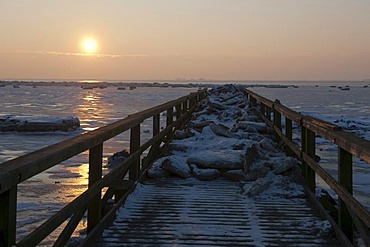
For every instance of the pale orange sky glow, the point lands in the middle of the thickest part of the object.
(169, 39)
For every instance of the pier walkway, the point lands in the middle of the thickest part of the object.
(222, 169)
(173, 212)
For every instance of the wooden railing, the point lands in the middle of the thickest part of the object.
(114, 184)
(351, 212)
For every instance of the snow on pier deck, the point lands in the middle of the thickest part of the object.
(221, 182)
(173, 212)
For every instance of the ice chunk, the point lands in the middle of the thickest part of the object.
(222, 159)
(205, 174)
(177, 166)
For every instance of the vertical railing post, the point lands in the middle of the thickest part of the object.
(184, 107)
(303, 148)
(268, 113)
(253, 101)
(345, 179)
(8, 217)
(289, 135)
(192, 100)
(169, 116)
(156, 124)
(246, 94)
(134, 146)
(178, 111)
(263, 109)
(311, 151)
(195, 101)
(95, 174)
(277, 123)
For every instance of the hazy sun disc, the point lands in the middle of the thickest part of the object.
(89, 45)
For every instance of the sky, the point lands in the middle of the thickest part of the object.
(188, 39)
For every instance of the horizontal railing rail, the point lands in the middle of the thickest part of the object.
(351, 211)
(115, 183)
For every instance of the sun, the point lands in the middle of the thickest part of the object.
(89, 45)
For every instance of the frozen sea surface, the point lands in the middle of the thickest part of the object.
(41, 196)
(97, 107)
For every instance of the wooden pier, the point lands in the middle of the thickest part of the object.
(173, 212)
(167, 212)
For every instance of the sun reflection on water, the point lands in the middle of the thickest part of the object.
(92, 109)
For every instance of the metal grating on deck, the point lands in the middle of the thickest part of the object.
(173, 212)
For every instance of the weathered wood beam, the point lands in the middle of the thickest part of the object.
(345, 179)
(95, 175)
(8, 213)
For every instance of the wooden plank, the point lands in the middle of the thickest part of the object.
(289, 135)
(324, 213)
(95, 175)
(69, 229)
(350, 201)
(53, 222)
(350, 142)
(184, 107)
(152, 154)
(288, 113)
(106, 221)
(8, 206)
(304, 150)
(277, 123)
(345, 180)
(178, 111)
(156, 124)
(295, 150)
(151, 217)
(321, 123)
(268, 113)
(311, 151)
(362, 229)
(169, 116)
(264, 100)
(24, 167)
(81, 201)
(134, 146)
(262, 108)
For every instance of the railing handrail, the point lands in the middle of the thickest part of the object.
(334, 133)
(351, 211)
(22, 168)
(17, 170)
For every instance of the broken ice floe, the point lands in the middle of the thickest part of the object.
(40, 124)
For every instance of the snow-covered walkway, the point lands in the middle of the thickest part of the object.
(222, 181)
(191, 212)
